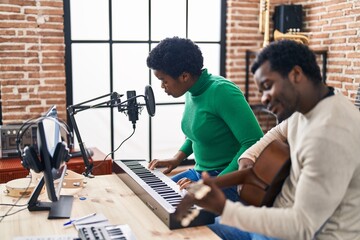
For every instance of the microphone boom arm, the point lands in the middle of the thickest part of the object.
(81, 107)
(88, 166)
(115, 101)
(74, 109)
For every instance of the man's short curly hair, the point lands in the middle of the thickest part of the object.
(283, 55)
(174, 56)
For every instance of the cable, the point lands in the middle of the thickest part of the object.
(116, 148)
(15, 204)
(9, 214)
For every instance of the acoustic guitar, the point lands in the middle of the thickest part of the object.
(261, 183)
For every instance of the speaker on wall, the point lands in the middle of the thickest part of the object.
(288, 17)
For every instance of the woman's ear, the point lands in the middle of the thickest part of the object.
(185, 77)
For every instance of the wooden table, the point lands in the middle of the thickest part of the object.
(106, 194)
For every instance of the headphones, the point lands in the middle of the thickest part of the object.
(30, 155)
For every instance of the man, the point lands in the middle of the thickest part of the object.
(320, 199)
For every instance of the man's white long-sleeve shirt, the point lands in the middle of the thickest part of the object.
(321, 197)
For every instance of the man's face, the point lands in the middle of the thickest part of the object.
(173, 87)
(278, 93)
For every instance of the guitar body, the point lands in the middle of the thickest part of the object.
(272, 168)
(261, 183)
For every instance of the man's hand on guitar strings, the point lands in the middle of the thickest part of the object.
(245, 163)
(197, 190)
(205, 194)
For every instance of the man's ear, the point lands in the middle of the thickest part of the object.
(296, 74)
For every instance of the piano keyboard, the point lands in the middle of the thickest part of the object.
(110, 232)
(157, 191)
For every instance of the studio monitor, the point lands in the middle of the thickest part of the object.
(288, 17)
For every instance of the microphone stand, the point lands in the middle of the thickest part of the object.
(114, 101)
(74, 109)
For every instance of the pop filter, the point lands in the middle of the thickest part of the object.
(150, 100)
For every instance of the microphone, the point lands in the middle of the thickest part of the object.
(150, 101)
(132, 107)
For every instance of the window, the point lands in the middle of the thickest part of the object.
(107, 43)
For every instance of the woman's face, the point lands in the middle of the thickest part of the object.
(174, 87)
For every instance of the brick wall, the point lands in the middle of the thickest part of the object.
(32, 49)
(32, 54)
(333, 25)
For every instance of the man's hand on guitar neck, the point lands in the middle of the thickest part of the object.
(213, 201)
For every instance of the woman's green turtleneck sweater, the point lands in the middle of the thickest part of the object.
(218, 123)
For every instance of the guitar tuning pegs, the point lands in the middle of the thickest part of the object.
(201, 193)
(191, 216)
(199, 189)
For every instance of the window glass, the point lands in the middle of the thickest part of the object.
(167, 135)
(129, 67)
(89, 20)
(90, 64)
(204, 20)
(168, 19)
(135, 24)
(211, 54)
(137, 146)
(90, 70)
(94, 127)
(130, 20)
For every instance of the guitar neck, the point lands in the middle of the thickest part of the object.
(244, 176)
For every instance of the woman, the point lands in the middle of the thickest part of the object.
(218, 123)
